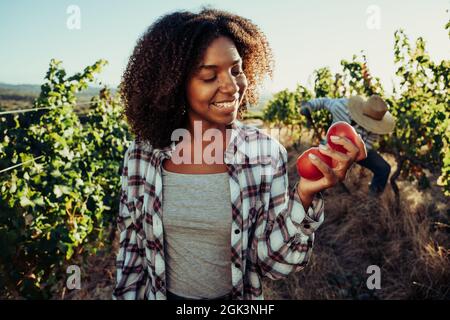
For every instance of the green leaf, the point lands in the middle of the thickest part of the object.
(25, 202)
(59, 190)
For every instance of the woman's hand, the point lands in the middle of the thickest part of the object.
(331, 176)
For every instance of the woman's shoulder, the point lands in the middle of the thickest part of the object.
(137, 146)
(138, 155)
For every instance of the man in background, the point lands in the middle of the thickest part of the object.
(370, 118)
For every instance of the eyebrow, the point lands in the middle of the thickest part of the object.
(212, 66)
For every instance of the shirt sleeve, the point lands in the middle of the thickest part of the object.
(131, 273)
(284, 235)
(369, 138)
(319, 104)
(372, 138)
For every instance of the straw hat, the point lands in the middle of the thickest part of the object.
(371, 114)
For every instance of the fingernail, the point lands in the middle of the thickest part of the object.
(312, 156)
(323, 147)
(335, 138)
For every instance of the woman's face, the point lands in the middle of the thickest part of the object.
(217, 87)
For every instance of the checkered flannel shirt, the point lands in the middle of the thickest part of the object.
(271, 235)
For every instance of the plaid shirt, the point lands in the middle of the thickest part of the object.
(271, 235)
(339, 111)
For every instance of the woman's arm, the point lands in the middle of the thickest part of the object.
(131, 273)
(284, 233)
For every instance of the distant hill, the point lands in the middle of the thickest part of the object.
(35, 89)
(19, 96)
(25, 89)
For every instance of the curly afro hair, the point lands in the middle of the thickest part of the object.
(153, 84)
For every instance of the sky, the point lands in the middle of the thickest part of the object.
(304, 35)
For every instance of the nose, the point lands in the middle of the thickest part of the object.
(229, 85)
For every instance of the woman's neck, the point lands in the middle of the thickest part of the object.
(197, 128)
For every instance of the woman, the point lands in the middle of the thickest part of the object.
(199, 222)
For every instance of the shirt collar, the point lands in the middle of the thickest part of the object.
(236, 142)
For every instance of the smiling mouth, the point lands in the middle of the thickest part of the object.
(225, 105)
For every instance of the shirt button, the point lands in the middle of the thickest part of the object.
(237, 231)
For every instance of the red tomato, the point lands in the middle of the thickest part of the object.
(341, 129)
(306, 168)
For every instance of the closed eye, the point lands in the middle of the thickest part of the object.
(235, 73)
(211, 79)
